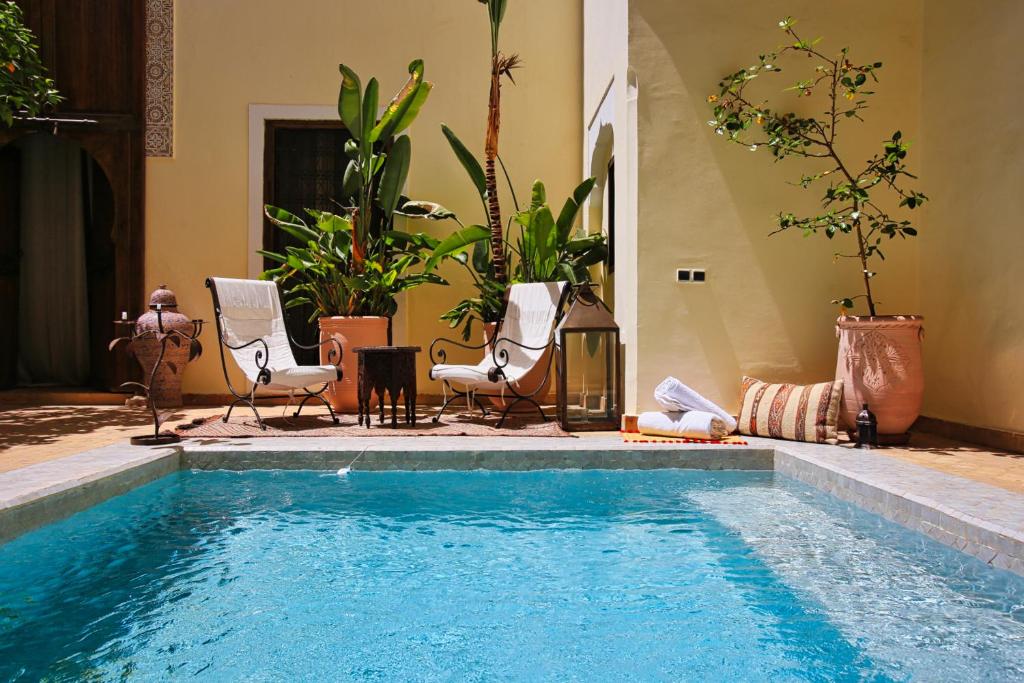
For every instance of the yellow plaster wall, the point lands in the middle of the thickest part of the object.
(972, 250)
(230, 53)
(703, 203)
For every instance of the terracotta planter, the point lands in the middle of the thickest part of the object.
(352, 332)
(539, 376)
(880, 364)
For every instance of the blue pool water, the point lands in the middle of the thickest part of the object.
(663, 575)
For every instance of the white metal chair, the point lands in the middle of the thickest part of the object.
(251, 325)
(524, 334)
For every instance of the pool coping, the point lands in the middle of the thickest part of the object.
(975, 518)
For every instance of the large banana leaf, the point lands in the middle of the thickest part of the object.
(420, 209)
(538, 195)
(396, 169)
(349, 102)
(419, 97)
(352, 180)
(290, 223)
(469, 162)
(460, 239)
(404, 107)
(571, 208)
(368, 116)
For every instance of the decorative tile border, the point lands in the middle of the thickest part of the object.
(159, 78)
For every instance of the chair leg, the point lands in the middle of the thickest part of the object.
(508, 409)
(437, 418)
(455, 397)
(302, 403)
(317, 395)
(245, 402)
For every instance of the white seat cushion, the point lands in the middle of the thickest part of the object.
(470, 376)
(299, 376)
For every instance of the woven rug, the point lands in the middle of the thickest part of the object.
(637, 437)
(241, 426)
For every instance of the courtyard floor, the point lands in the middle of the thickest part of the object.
(32, 433)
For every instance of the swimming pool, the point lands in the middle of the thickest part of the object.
(567, 575)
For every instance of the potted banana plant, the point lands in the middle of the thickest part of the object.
(879, 355)
(353, 263)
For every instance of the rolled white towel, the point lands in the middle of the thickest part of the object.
(694, 424)
(673, 395)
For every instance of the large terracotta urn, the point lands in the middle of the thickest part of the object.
(538, 377)
(880, 365)
(352, 332)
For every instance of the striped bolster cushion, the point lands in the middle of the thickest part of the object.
(790, 411)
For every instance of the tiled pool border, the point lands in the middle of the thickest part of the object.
(978, 519)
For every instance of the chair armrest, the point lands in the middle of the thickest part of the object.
(500, 355)
(263, 377)
(439, 355)
(336, 351)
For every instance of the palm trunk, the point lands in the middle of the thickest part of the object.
(490, 177)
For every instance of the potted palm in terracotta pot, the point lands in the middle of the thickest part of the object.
(352, 264)
(879, 355)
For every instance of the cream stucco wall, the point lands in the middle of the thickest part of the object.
(973, 248)
(765, 309)
(609, 123)
(233, 53)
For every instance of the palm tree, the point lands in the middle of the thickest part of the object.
(501, 65)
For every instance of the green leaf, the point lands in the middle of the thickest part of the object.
(353, 179)
(468, 161)
(290, 223)
(396, 169)
(482, 256)
(460, 239)
(416, 103)
(571, 208)
(399, 105)
(332, 223)
(538, 195)
(420, 209)
(277, 258)
(349, 102)
(368, 116)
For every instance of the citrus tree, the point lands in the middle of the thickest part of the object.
(24, 88)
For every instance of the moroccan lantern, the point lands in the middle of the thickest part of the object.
(589, 372)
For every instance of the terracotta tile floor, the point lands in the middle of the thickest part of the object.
(35, 433)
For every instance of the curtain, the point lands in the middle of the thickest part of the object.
(53, 322)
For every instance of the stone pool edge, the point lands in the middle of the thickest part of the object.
(975, 518)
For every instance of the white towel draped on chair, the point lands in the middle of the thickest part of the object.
(250, 310)
(529, 320)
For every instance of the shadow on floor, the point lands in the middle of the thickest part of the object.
(41, 425)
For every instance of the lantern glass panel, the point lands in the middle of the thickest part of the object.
(591, 379)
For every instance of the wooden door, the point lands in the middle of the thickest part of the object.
(304, 166)
(10, 256)
(95, 52)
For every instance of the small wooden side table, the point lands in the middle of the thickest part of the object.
(391, 369)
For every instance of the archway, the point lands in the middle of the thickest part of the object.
(58, 284)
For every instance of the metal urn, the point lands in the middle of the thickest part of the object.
(163, 320)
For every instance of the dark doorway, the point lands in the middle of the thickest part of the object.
(57, 269)
(303, 168)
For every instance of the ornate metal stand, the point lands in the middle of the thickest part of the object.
(165, 337)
